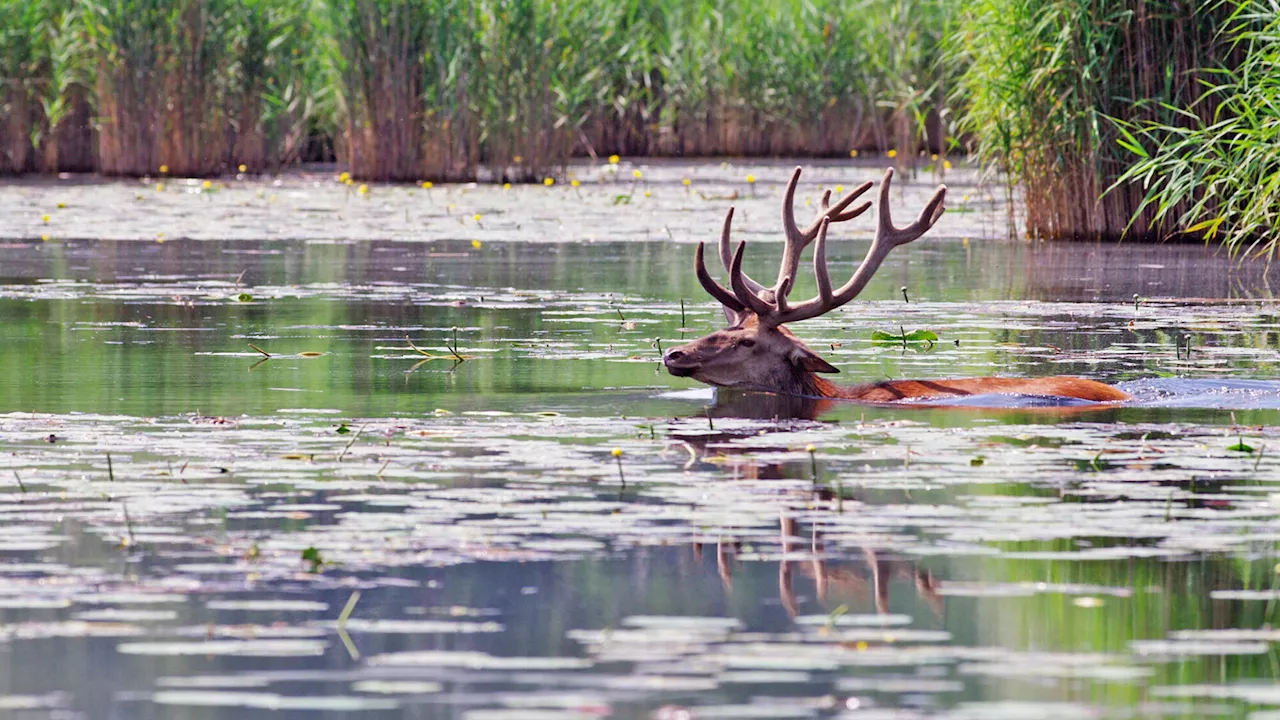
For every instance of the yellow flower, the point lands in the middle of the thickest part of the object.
(574, 183)
(206, 184)
(344, 177)
(636, 174)
(45, 237)
(892, 153)
(506, 186)
(614, 159)
(243, 167)
(934, 157)
(517, 159)
(159, 187)
(751, 179)
(160, 238)
(616, 452)
(45, 218)
(548, 181)
(363, 190)
(476, 217)
(946, 164)
(839, 189)
(686, 182)
(810, 448)
(164, 169)
(475, 244)
(61, 205)
(427, 185)
(853, 153)
(648, 194)
(348, 182)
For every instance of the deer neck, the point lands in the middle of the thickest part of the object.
(813, 385)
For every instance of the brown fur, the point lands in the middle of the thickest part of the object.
(755, 357)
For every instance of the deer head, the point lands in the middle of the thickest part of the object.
(755, 351)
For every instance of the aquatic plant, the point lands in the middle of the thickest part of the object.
(198, 85)
(1042, 80)
(447, 89)
(1214, 173)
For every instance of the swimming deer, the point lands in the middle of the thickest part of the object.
(757, 353)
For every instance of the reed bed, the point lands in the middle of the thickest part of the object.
(1215, 173)
(463, 89)
(1045, 83)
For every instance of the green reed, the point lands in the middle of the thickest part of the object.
(465, 89)
(42, 84)
(199, 86)
(1214, 173)
(1043, 80)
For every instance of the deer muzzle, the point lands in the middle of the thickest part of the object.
(681, 363)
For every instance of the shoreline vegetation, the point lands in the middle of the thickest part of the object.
(1142, 119)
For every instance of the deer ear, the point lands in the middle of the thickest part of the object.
(807, 360)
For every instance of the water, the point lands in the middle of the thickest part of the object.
(185, 520)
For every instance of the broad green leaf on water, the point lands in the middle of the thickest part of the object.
(879, 337)
(1240, 446)
(244, 297)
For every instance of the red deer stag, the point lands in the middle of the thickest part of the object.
(757, 353)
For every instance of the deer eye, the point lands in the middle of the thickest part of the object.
(747, 342)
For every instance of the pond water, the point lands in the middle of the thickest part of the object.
(248, 477)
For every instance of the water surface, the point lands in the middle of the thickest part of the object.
(185, 519)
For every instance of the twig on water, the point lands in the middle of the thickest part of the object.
(350, 607)
(111, 473)
(128, 522)
(264, 352)
(21, 487)
(454, 348)
(351, 442)
(343, 617)
(682, 322)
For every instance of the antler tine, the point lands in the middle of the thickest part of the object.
(715, 289)
(887, 238)
(726, 257)
(744, 294)
(797, 240)
(928, 216)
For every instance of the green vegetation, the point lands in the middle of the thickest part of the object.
(1043, 81)
(1215, 172)
(1106, 118)
(463, 89)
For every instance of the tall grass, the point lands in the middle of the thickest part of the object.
(200, 86)
(1044, 77)
(1216, 172)
(42, 86)
(459, 89)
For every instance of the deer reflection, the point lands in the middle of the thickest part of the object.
(767, 406)
(834, 584)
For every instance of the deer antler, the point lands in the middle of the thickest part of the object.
(776, 311)
(796, 242)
